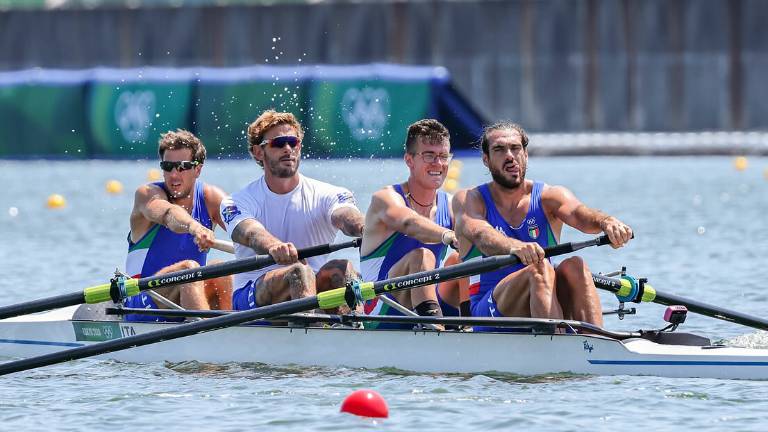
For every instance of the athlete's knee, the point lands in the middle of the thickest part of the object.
(542, 272)
(187, 264)
(452, 259)
(338, 265)
(179, 266)
(572, 265)
(423, 257)
(299, 272)
(573, 269)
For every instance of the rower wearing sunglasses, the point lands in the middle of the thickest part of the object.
(171, 229)
(283, 211)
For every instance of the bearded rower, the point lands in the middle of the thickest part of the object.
(513, 215)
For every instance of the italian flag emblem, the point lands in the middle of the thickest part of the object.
(533, 231)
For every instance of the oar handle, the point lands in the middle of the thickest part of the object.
(328, 248)
(223, 245)
(565, 248)
(103, 292)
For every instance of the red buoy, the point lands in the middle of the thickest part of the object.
(365, 403)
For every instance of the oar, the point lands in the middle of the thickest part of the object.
(130, 287)
(224, 246)
(325, 300)
(631, 289)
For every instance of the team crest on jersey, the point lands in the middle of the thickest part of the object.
(229, 212)
(346, 197)
(533, 231)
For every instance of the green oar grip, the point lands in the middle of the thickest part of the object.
(101, 293)
(336, 297)
(629, 289)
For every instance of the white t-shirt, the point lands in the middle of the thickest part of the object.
(301, 216)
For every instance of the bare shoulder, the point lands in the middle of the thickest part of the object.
(213, 194)
(148, 192)
(468, 202)
(559, 201)
(556, 193)
(472, 197)
(386, 197)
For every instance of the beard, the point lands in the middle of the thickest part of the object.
(499, 177)
(175, 194)
(280, 171)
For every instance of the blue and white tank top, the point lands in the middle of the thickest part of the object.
(161, 247)
(376, 265)
(534, 228)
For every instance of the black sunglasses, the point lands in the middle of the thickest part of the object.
(281, 141)
(180, 166)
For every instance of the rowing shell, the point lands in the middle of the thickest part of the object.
(418, 351)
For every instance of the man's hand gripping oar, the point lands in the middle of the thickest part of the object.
(120, 288)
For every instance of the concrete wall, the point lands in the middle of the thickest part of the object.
(552, 65)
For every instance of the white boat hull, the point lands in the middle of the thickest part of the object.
(429, 352)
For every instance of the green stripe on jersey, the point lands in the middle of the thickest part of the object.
(474, 252)
(146, 242)
(382, 250)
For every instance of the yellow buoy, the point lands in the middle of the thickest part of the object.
(56, 201)
(740, 163)
(154, 174)
(454, 172)
(450, 185)
(114, 187)
(765, 174)
(457, 163)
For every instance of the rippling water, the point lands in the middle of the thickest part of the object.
(700, 233)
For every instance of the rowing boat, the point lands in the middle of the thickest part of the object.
(76, 326)
(539, 346)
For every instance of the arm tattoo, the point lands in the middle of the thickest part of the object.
(249, 234)
(349, 220)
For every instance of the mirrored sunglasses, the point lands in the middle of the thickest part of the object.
(281, 141)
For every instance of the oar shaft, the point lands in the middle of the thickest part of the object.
(231, 267)
(712, 311)
(29, 307)
(329, 299)
(170, 333)
(101, 293)
(614, 285)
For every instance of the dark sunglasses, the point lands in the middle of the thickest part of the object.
(180, 166)
(281, 141)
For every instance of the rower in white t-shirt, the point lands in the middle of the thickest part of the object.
(284, 211)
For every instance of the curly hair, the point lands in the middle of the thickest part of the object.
(181, 139)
